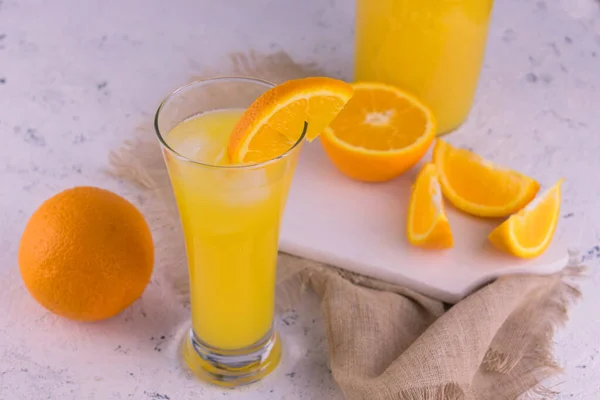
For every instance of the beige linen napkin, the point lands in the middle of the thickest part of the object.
(385, 341)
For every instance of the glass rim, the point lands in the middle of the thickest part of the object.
(242, 79)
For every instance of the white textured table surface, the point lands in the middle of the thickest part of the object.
(76, 77)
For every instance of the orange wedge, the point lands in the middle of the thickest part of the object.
(382, 132)
(528, 233)
(478, 187)
(275, 121)
(427, 225)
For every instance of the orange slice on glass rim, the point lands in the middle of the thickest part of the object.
(529, 232)
(382, 132)
(479, 187)
(275, 121)
(427, 225)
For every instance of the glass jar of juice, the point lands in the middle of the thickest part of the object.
(432, 48)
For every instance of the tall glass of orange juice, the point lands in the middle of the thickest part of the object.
(433, 48)
(230, 216)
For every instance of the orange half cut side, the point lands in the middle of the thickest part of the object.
(382, 132)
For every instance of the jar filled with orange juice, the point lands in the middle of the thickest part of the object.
(432, 48)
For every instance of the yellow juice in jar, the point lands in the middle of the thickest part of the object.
(432, 48)
(230, 220)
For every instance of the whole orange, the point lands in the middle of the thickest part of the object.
(86, 254)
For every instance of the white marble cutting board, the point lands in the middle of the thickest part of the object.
(361, 227)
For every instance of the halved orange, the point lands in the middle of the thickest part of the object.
(427, 225)
(479, 187)
(382, 132)
(529, 232)
(275, 121)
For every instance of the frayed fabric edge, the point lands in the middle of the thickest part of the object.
(542, 356)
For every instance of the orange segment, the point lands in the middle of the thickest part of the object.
(427, 225)
(528, 233)
(381, 133)
(478, 187)
(275, 121)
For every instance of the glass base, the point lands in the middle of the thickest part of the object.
(232, 368)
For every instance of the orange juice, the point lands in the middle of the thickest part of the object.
(230, 219)
(433, 48)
